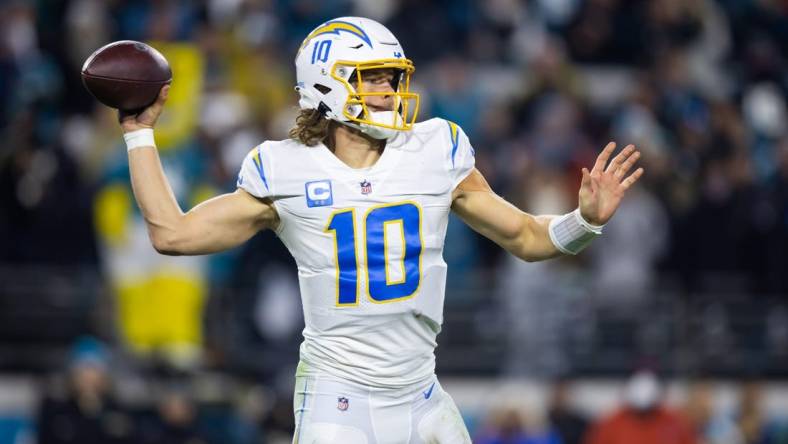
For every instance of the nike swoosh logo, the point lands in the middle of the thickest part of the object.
(428, 393)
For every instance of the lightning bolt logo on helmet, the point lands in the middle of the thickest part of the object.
(335, 27)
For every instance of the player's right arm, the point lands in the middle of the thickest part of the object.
(215, 225)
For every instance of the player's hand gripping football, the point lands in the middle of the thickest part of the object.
(147, 118)
(603, 188)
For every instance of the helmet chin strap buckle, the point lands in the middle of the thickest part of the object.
(323, 109)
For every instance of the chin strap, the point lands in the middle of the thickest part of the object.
(383, 117)
(374, 131)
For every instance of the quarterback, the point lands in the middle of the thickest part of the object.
(360, 194)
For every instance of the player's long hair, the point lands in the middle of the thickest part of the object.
(310, 127)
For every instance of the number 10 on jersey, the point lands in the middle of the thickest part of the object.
(405, 217)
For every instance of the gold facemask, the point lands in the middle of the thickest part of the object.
(406, 103)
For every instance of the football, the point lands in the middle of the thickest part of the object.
(126, 75)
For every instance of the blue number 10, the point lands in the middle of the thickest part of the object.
(407, 216)
(320, 51)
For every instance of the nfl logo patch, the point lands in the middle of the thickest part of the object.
(366, 187)
(342, 403)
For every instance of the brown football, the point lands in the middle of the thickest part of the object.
(126, 75)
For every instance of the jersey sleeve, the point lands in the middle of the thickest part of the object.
(255, 175)
(462, 156)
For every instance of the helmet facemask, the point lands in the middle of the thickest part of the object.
(356, 112)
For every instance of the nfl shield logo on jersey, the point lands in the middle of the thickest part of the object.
(342, 403)
(366, 187)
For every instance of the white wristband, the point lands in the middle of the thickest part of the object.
(571, 233)
(138, 138)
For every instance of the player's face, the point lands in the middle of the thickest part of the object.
(379, 81)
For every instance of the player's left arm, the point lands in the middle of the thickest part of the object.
(529, 237)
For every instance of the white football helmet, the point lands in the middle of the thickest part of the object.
(345, 47)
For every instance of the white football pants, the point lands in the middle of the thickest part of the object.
(330, 411)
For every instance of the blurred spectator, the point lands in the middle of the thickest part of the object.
(624, 269)
(84, 411)
(177, 420)
(776, 217)
(45, 207)
(711, 426)
(541, 319)
(507, 426)
(251, 410)
(453, 97)
(160, 298)
(643, 418)
(607, 31)
(755, 424)
(567, 421)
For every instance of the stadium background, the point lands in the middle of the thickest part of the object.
(689, 280)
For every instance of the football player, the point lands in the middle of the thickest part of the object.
(360, 194)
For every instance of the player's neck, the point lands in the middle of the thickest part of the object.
(354, 148)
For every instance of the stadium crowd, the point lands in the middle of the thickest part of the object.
(90, 403)
(539, 86)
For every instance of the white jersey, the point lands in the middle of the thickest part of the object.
(368, 244)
